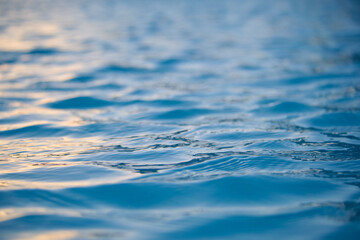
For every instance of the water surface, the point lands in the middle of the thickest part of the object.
(179, 119)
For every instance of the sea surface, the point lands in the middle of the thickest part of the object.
(151, 120)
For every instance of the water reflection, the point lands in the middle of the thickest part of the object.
(179, 120)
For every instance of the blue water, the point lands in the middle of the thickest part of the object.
(180, 119)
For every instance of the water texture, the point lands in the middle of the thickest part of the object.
(179, 119)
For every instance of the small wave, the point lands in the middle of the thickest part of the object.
(183, 113)
(43, 51)
(42, 130)
(123, 69)
(240, 136)
(179, 119)
(80, 103)
(82, 79)
(317, 78)
(285, 108)
(336, 119)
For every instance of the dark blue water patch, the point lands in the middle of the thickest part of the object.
(285, 108)
(84, 102)
(349, 231)
(354, 57)
(335, 119)
(82, 79)
(249, 67)
(141, 92)
(317, 78)
(167, 103)
(207, 76)
(43, 51)
(170, 62)
(107, 86)
(349, 37)
(90, 102)
(115, 68)
(155, 103)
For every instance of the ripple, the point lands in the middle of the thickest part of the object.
(210, 193)
(108, 86)
(43, 51)
(83, 102)
(42, 130)
(82, 79)
(117, 68)
(58, 174)
(183, 113)
(179, 120)
(285, 108)
(320, 77)
(9, 57)
(31, 223)
(239, 136)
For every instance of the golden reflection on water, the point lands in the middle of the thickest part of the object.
(45, 150)
(82, 234)
(34, 156)
(55, 235)
(15, 37)
(26, 166)
(11, 213)
(28, 154)
(22, 39)
(28, 109)
(53, 72)
(26, 184)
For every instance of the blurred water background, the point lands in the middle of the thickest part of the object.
(179, 119)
